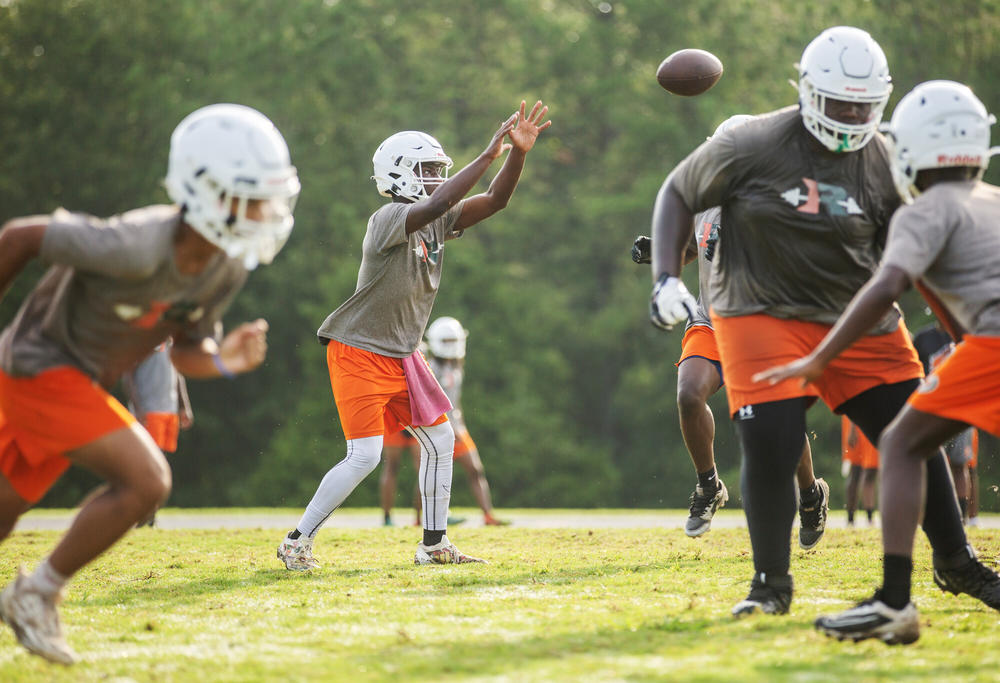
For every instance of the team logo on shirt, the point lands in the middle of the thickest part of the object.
(833, 198)
(181, 312)
(429, 251)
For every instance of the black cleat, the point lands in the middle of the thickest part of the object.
(963, 573)
(873, 618)
(812, 520)
(768, 595)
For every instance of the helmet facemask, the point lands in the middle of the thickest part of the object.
(847, 65)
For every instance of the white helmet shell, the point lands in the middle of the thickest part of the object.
(446, 338)
(938, 124)
(843, 63)
(397, 165)
(226, 152)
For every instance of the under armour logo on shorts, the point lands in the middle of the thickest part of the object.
(745, 413)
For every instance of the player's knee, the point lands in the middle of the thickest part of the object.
(438, 440)
(690, 401)
(364, 454)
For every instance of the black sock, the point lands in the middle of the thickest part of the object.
(810, 496)
(432, 537)
(708, 481)
(871, 513)
(896, 574)
(850, 517)
(294, 534)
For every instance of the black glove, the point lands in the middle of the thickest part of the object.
(641, 249)
(711, 243)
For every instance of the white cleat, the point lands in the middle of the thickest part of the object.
(35, 620)
(442, 553)
(297, 554)
(873, 619)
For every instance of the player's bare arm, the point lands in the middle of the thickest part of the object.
(451, 191)
(868, 306)
(522, 139)
(20, 241)
(241, 350)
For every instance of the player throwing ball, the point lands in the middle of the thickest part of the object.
(381, 383)
(948, 237)
(116, 290)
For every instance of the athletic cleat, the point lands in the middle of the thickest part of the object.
(703, 509)
(873, 619)
(812, 520)
(297, 554)
(442, 553)
(964, 573)
(35, 620)
(768, 595)
(455, 521)
(490, 520)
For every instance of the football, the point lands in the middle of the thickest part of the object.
(689, 72)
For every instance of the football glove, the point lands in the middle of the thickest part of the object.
(641, 249)
(671, 303)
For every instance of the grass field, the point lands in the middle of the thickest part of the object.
(553, 605)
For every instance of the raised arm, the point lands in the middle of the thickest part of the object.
(451, 191)
(522, 138)
(20, 241)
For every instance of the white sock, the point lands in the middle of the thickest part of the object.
(47, 580)
(437, 450)
(363, 456)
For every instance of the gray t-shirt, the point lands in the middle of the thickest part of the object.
(449, 376)
(151, 387)
(706, 228)
(397, 284)
(113, 294)
(950, 238)
(804, 226)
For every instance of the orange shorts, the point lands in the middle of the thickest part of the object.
(749, 344)
(46, 416)
(975, 450)
(699, 341)
(463, 443)
(966, 386)
(369, 390)
(164, 428)
(400, 439)
(862, 453)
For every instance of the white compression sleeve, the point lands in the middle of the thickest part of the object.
(437, 449)
(363, 456)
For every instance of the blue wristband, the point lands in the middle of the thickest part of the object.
(223, 370)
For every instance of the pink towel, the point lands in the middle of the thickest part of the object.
(428, 401)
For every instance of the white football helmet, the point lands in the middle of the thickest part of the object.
(842, 63)
(446, 338)
(938, 124)
(732, 122)
(399, 161)
(221, 157)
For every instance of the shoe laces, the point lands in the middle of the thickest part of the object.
(701, 501)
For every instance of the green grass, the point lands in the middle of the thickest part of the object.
(553, 605)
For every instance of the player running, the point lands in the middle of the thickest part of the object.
(861, 460)
(381, 383)
(806, 194)
(699, 376)
(117, 289)
(947, 238)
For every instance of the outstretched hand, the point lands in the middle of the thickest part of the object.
(497, 146)
(807, 368)
(245, 348)
(528, 127)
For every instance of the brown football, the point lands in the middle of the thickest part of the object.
(689, 72)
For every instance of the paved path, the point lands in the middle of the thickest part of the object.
(358, 518)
